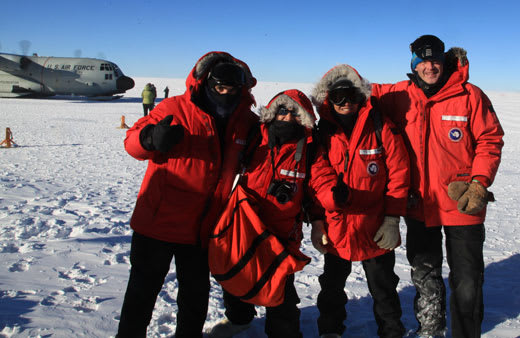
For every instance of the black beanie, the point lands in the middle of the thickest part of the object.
(426, 47)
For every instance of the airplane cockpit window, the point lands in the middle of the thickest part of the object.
(106, 67)
(117, 71)
(108, 76)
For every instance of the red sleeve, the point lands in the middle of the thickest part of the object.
(323, 178)
(398, 166)
(487, 133)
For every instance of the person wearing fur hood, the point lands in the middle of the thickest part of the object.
(455, 142)
(276, 174)
(192, 143)
(371, 163)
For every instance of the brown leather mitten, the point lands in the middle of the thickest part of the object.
(473, 200)
(457, 189)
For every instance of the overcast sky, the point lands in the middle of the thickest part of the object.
(282, 41)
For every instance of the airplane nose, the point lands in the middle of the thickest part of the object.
(124, 83)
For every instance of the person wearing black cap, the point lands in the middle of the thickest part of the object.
(454, 139)
(192, 143)
(371, 163)
(428, 64)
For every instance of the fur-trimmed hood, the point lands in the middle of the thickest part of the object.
(344, 72)
(453, 57)
(201, 69)
(290, 99)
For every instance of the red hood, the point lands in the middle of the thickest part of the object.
(202, 67)
(293, 99)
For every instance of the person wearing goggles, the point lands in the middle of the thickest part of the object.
(190, 144)
(371, 164)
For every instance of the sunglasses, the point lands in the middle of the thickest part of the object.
(284, 111)
(340, 96)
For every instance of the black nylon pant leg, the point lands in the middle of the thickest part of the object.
(283, 321)
(191, 263)
(237, 311)
(332, 298)
(280, 321)
(464, 250)
(150, 262)
(382, 283)
(424, 253)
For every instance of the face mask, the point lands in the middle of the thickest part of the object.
(225, 100)
(281, 132)
(222, 105)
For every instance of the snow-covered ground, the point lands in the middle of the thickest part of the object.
(67, 193)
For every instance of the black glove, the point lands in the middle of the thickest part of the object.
(161, 136)
(340, 191)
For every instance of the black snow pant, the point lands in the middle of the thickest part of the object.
(464, 250)
(280, 321)
(382, 283)
(147, 108)
(150, 260)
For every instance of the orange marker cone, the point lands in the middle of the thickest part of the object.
(8, 142)
(123, 124)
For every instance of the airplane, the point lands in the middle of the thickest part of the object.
(40, 76)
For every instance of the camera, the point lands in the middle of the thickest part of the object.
(282, 190)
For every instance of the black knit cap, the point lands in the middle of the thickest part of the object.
(426, 47)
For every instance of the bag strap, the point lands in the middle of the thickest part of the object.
(378, 126)
(309, 160)
(252, 142)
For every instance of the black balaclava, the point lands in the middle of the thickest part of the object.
(347, 122)
(223, 73)
(281, 132)
(220, 106)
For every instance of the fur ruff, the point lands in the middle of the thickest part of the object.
(453, 56)
(321, 90)
(209, 60)
(268, 114)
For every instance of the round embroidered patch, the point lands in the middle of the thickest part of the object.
(455, 134)
(372, 168)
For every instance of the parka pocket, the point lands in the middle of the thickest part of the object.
(454, 127)
(463, 174)
(373, 161)
(337, 228)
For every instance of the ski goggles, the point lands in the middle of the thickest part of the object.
(227, 74)
(284, 111)
(340, 96)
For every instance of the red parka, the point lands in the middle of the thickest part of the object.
(378, 177)
(285, 220)
(184, 190)
(454, 135)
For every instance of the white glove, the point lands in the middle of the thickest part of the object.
(319, 237)
(388, 234)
